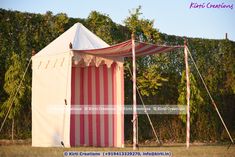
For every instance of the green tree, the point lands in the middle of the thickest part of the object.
(144, 31)
(196, 100)
(103, 26)
(60, 20)
(149, 81)
(215, 60)
(142, 28)
(149, 78)
(13, 77)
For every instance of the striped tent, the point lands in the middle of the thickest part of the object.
(124, 49)
(75, 78)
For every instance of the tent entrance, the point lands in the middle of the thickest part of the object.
(94, 89)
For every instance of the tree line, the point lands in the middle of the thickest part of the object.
(160, 77)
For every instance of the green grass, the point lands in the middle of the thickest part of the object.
(177, 151)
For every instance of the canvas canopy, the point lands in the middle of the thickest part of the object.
(79, 69)
(124, 49)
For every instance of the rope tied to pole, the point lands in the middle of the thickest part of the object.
(145, 110)
(211, 98)
(17, 90)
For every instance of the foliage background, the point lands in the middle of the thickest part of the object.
(160, 76)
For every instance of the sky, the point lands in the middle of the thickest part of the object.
(191, 18)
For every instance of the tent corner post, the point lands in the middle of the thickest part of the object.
(188, 93)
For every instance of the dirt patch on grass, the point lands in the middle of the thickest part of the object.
(6, 142)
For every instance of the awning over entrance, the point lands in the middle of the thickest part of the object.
(124, 49)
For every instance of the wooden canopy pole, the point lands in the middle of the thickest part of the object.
(134, 121)
(188, 94)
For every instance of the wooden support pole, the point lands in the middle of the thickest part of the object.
(188, 94)
(134, 94)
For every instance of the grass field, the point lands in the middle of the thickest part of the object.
(177, 151)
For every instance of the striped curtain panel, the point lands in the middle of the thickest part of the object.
(97, 88)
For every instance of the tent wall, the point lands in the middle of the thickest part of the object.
(93, 87)
(50, 87)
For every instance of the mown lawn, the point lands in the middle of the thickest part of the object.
(177, 151)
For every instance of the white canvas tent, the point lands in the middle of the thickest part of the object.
(57, 70)
(79, 69)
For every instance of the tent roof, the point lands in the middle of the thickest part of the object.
(80, 37)
(85, 42)
(124, 49)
